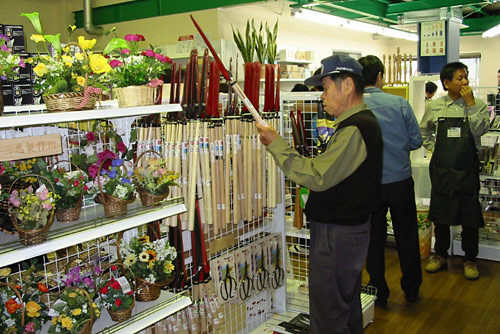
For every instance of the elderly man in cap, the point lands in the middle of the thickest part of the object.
(345, 186)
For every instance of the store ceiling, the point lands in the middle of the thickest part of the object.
(478, 16)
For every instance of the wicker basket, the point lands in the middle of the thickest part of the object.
(31, 237)
(19, 298)
(122, 315)
(68, 101)
(134, 96)
(87, 327)
(147, 292)
(148, 199)
(113, 206)
(71, 214)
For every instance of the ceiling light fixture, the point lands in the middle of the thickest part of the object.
(492, 32)
(337, 21)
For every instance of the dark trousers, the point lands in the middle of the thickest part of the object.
(399, 197)
(337, 254)
(470, 241)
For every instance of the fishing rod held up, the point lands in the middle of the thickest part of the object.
(229, 78)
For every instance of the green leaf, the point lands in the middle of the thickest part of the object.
(35, 20)
(133, 135)
(114, 44)
(54, 40)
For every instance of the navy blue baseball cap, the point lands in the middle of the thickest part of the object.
(335, 64)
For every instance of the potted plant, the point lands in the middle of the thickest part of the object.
(70, 186)
(151, 263)
(424, 233)
(9, 65)
(32, 210)
(68, 76)
(152, 178)
(73, 312)
(117, 294)
(135, 72)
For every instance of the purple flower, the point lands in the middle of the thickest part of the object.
(93, 170)
(117, 162)
(3, 77)
(125, 51)
(126, 181)
(88, 282)
(132, 38)
(112, 174)
(21, 63)
(5, 48)
(162, 58)
(148, 53)
(97, 270)
(115, 63)
(90, 136)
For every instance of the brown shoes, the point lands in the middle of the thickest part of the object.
(470, 271)
(436, 263)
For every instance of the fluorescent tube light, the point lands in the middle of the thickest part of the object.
(492, 32)
(336, 21)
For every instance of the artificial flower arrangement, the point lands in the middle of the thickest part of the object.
(116, 295)
(81, 278)
(70, 68)
(423, 220)
(117, 181)
(131, 65)
(151, 261)
(73, 311)
(9, 62)
(35, 312)
(154, 177)
(32, 207)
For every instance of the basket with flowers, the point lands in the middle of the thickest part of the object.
(32, 210)
(9, 65)
(27, 316)
(73, 312)
(151, 262)
(424, 233)
(152, 178)
(116, 292)
(135, 73)
(70, 184)
(71, 76)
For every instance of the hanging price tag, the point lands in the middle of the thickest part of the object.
(124, 284)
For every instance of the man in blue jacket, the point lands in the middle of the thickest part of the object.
(400, 134)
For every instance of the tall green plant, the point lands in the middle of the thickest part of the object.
(271, 43)
(260, 44)
(247, 45)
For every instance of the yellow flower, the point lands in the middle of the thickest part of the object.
(54, 321)
(37, 38)
(143, 239)
(169, 267)
(71, 295)
(72, 27)
(99, 64)
(76, 311)
(67, 59)
(40, 69)
(5, 272)
(78, 56)
(67, 323)
(29, 60)
(130, 259)
(80, 81)
(33, 308)
(86, 44)
(66, 49)
(143, 257)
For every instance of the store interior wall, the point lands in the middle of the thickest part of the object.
(56, 15)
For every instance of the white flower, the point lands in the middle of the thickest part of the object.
(89, 150)
(130, 260)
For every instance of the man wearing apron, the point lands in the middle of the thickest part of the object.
(452, 127)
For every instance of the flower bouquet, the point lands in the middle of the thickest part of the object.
(116, 294)
(73, 312)
(70, 186)
(151, 263)
(152, 178)
(135, 73)
(32, 211)
(69, 76)
(9, 65)
(424, 233)
(30, 314)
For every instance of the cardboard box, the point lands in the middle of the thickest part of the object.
(23, 94)
(16, 36)
(309, 55)
(8, 98)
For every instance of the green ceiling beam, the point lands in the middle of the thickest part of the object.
(477, 26)
(142, 9)
(411, 6)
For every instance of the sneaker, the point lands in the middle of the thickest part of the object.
(470, 271)
(436, 263)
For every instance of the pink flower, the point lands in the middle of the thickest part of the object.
(93, 169)
(162, 58)
(148, 53)
(43, 193)
(13, 199)
(85, 188)
(141, 37)
(47, 206)
(132, 38)
(76, 183)
(121, 147)
(115, 63)
(90, 136)
(125, 51)
(101, 156)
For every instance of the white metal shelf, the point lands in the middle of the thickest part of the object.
(34, 115)
(91, 225)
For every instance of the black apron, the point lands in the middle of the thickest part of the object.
(454, 174)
